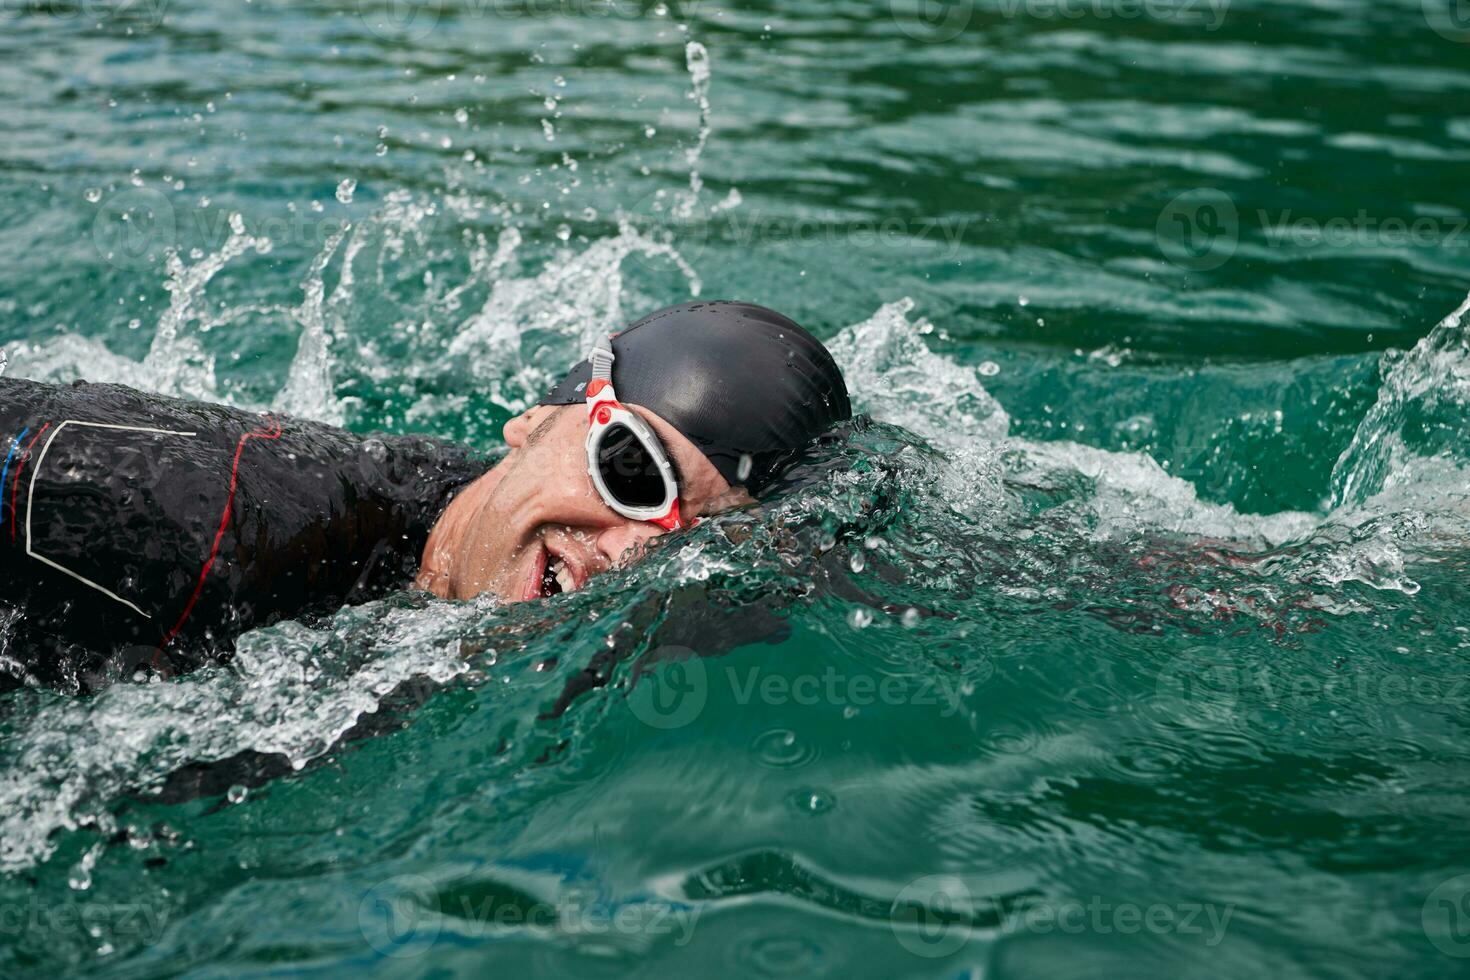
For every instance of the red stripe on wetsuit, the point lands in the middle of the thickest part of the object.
(272, 432)
(21, 465)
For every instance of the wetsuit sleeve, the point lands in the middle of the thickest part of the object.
(130, 521)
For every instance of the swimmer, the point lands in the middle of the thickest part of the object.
(132, 522)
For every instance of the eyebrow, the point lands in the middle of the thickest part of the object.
(540, 431)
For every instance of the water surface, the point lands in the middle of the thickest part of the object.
(1130, 639)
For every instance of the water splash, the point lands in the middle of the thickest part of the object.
(308, 390)
(290, 691)
(895, 377)
(530, 328)
(175, 364)
(1420, 415)
(696, 59)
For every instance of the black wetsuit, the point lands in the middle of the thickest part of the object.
(153, 529)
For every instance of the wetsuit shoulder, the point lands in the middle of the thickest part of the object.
(130, 520)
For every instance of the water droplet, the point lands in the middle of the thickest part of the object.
(237, 793)
(860, 618)
(812, 801)
(563, 231)
(989, 369)
(346, 189)
(910, 618)
(858, 561)
(742, 469)
(781, 749)
(1023, 300)
(93, 195)
(461, 116)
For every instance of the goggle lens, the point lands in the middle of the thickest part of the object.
(628, 470)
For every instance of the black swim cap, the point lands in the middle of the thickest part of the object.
(738, 380)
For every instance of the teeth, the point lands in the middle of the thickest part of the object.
(564, 578)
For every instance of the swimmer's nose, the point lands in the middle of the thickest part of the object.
(626, 540)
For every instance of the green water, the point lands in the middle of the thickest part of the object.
(1170, 460)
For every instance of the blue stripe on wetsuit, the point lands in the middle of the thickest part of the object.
(6, 471)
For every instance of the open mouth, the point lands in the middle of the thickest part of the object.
(556, 578)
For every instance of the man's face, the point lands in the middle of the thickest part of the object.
(535, 525)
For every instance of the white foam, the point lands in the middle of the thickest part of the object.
(290, 690)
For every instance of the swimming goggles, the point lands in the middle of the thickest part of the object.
(625, 459)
